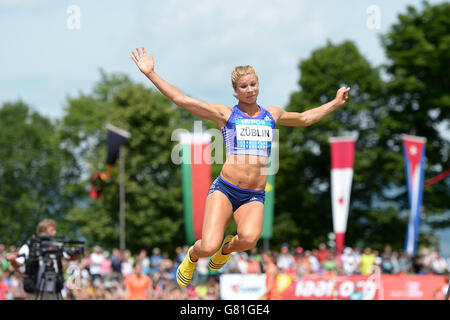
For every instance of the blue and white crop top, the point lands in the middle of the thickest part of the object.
(246, 135)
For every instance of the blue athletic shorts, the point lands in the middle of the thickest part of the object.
(236, 195)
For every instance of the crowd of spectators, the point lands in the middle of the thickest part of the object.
(104, 275)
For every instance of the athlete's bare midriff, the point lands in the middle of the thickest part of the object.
(246, 171)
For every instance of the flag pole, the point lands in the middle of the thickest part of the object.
(122, 198)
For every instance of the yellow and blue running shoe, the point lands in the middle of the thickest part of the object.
(219, 259)
(186, 270)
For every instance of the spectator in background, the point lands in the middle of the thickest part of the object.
(116, 263)
(4, 286)
(367, 262)
(298, 253)
(438, 263)
(166, 266)
(127, 263)
(232, 265)
(256, 255)
(213, 290)
(242, 262)
(330, 265)
(315, 265)
(427, 256)
(106, 265)
(303, 265)
(285, 260)
(417, 265)
(349, 262)
(17, 290)
(138, 286)
(95, 261)
(387, 264)
(202, 289)
(404, 263)
(378, 260)
(253, 265)
(395, 264)
(4, 263)
(144, 261)
(175, 293)
(155, 260)
(357, 254)
(179, 255)
(271, 271)
(202, 269)
(323, 253)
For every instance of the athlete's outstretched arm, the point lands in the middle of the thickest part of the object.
(309, 117)
(215, 112)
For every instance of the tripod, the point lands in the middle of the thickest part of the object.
(48, 279)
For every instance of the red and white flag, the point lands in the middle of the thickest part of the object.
(342, 160)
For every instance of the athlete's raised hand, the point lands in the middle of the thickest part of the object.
(145, 64)
(342, 96)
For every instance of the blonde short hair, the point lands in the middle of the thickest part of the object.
(44, 225)
(240, 71)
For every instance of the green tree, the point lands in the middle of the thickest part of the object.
(418, 48)
(154, 207)
(36, 178)
(303, 206)
(414, 100)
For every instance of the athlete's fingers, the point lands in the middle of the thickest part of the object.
(144, 51)
(134, 59)
(135, 56)
(139, 52)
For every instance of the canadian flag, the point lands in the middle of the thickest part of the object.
(342, 160)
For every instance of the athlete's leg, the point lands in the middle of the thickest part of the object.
(249, 220)
(218, 213)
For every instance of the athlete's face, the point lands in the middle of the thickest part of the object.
(247, 88)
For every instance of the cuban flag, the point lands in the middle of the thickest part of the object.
(414, 152)
(342, 161)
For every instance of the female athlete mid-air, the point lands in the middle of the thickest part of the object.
(247, 130)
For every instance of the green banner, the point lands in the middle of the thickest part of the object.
(187, 193)
(269, 202)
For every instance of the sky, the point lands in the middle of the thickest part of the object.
(54, 49)
(50, 51)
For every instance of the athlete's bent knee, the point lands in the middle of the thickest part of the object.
(248, 241)
(209, 249)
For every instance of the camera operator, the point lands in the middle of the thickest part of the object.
(25, 263)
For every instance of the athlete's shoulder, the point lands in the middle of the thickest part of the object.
(222, 107)
(274, 109)
(275, 112)
(223, 111)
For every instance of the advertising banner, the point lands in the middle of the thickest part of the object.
(341, 287)
(358, 287)
(242, 286)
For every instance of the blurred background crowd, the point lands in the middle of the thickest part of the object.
(101, 274)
